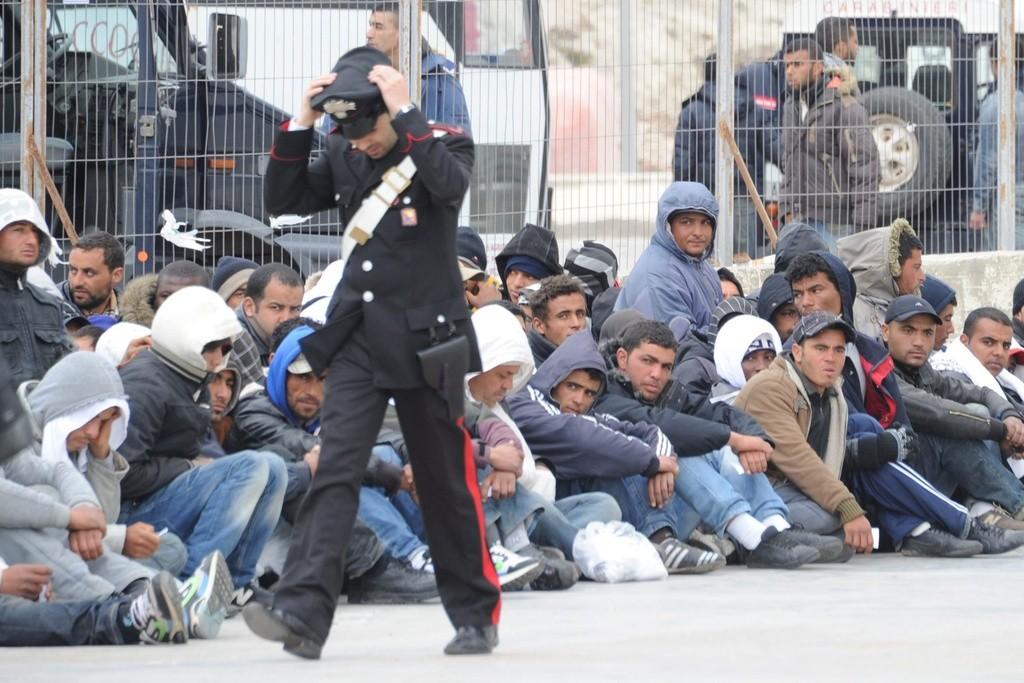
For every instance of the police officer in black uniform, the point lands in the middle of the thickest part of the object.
(397, 327)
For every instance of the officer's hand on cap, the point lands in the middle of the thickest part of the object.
(307, 116)
(393, 87)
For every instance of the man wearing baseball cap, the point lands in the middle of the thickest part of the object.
(953, 453)
(824, 479)
(32, 336)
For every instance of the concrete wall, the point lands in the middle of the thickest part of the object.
(981, 279)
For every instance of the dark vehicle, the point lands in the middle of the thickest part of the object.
(142, 119)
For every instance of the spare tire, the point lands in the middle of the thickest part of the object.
(915, 149)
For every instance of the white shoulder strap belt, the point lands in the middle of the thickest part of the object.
(370, 213)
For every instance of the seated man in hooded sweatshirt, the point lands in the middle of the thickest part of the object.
(695, 359)
(750, 347)
(519, 493)
(558, 309)
(799, 402)
(284, 418)
(725, 486)
(529, 257)
(80, 413)
(942, 298)
(885, 263)
(952, 433)
(230, 504)
(674, 277)
(775, 304)
(589, 451)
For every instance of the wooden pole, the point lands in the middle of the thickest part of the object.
(726, 133)
(51, 189)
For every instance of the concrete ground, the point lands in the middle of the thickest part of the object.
(883, 617)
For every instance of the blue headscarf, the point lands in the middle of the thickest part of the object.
(277, 375)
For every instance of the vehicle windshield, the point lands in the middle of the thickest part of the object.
(110, 31)
(919, 59)
(498, 34)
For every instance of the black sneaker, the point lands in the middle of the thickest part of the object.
(397, 584)
(558, 575)
(830, 548)
(936, 543)
(473, 640)
(680, 558)
(777, 551)
(994, 540)
(251, 592)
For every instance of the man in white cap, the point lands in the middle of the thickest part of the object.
(32, 336)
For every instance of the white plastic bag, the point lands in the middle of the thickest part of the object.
(613, 552)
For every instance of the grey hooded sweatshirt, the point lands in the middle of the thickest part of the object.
(77, 382)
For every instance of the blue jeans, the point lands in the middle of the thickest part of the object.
(974, 466)
(712, 487)
(231, 505)
(34, 624)
(631, 495)
(396, 521)
(562, 519)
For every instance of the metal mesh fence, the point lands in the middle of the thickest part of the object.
(583, 111)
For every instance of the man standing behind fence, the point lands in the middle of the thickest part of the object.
(397, 327)
(829, 157)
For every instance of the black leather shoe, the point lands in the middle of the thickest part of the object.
(397, 584)
(277, 625)
(473, 640)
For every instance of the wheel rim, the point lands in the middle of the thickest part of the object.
(899, 152)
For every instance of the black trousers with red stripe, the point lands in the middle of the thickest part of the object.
(445, 475)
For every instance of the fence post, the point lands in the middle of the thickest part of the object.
(627, 98)
(409, 44)
(1006, 183)
(33, 92)
(725, 85)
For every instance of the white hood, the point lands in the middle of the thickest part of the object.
(733, 341)
(113, 343)
(501, 341)
(17, 206)
(187, 321)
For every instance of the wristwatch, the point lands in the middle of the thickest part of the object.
(406, 109)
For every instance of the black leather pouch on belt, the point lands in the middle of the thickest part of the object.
(444, 368)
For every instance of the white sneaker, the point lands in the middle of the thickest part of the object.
(205, 596)
(157, 612)
(514, 570)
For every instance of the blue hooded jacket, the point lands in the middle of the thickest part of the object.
(441, 96)
(666, 283)
(582, 446)
(277, 376)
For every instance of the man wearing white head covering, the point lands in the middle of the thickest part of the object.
(750, 347)
(230, 504)
(115, 343)
(507, 365)
(32, 336)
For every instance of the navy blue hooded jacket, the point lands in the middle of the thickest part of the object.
(582, 446)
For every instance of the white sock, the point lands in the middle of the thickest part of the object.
(777, 521)
(418, 558)
(979, 508)
(747, 530)
(516, 539)
(920, 529)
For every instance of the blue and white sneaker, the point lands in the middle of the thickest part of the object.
(205, 596)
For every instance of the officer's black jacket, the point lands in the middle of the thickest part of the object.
(405, 280)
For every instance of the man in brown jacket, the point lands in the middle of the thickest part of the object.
(799, 402)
